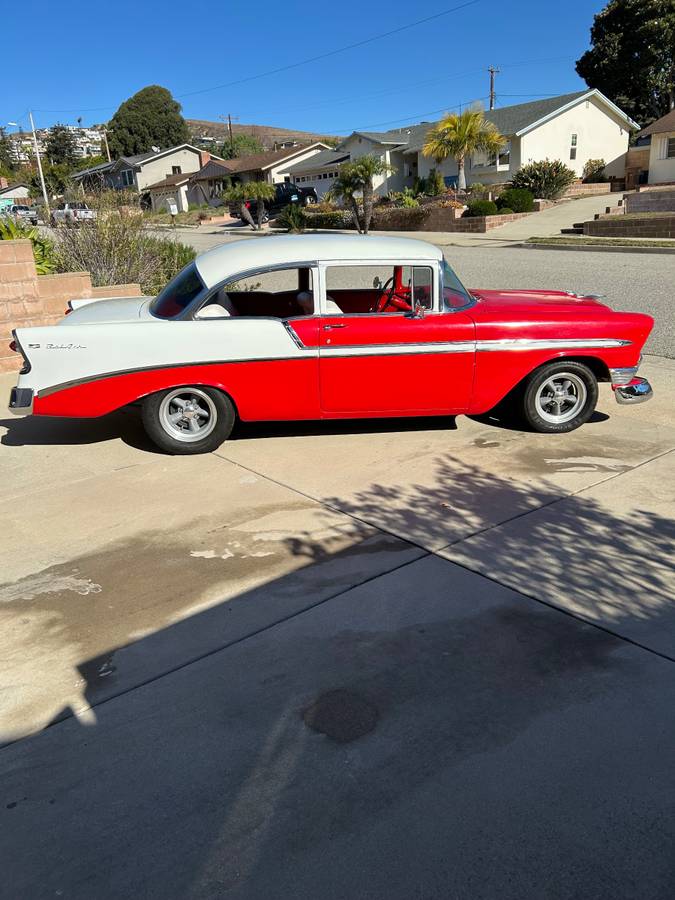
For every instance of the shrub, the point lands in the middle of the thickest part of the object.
(335, 218)
(476, 190)
(480, 208)
(404, 199)
(547, 178)
(399, 219)
(518, 199)
(594, 171)
(43, 248)
(293, 218)
(505, 211)
(116, 249)
(434, 184)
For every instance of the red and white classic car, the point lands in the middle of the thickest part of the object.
(327, 327)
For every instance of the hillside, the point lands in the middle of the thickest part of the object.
(266, 134)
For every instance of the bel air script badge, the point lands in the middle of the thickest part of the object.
(65, 347)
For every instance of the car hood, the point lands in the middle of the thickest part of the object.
(114, 309)
(529, 301)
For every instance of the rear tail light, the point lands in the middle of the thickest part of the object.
(13, 347)
(67, 310)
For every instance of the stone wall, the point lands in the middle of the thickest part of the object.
(627, 226)
(28, 299)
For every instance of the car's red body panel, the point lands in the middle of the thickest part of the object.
(368, 365)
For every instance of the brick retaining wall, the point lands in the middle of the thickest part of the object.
(624, 226)
(28, 299)
(651, 201)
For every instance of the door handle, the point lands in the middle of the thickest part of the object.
(330, 327)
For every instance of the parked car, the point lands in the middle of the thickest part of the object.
(21, 212)
(72, 214)
(285, 194)
(298, 328)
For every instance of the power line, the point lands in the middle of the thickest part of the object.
(329, 53)
(430, 112)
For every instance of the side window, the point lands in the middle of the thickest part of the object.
(423, 286)
(358, 289)
(278, 293)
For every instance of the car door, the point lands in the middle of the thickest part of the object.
(377, 359)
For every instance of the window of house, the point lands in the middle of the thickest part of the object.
(573, 152)
(670, 148)
(574, 140)
(176, 170)
(127, 177)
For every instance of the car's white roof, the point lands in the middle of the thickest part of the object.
(244, 255)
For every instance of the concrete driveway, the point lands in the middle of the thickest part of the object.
(406, 659)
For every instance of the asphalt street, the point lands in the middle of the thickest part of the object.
(627, 281)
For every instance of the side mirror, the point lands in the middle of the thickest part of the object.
(376, 282)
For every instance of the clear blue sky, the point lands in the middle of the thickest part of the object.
(394, 80)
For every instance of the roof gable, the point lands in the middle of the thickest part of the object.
(664, 124)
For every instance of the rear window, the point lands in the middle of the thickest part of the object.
(178, 294)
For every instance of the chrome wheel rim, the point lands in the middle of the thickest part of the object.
(561, 398)
(188, 414)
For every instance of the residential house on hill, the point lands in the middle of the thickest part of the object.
(572, 127)
(139, 173)
(272, 166)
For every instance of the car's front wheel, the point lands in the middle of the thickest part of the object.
(189, 419)
(559, 397)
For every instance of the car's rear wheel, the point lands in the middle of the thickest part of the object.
(188, 419)
(559, 397)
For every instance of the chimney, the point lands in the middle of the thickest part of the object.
(204, 157)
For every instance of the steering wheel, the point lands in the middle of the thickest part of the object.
(391, 299)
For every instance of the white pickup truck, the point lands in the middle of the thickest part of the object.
(72, 214)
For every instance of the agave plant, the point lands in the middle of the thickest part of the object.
(43, 248)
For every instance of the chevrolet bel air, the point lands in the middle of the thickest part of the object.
(328, 327)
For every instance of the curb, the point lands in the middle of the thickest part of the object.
(600, 248)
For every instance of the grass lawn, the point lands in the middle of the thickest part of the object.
(191, 217)
(604, 241)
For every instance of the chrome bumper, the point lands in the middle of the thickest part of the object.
(21, 401)
(638, 390)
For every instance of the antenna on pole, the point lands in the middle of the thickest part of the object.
(493, 71)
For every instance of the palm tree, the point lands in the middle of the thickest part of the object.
(356, 177)
(243, 194)
(461, 135)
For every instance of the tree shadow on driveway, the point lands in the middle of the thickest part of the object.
(506, 749)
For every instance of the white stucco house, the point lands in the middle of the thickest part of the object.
(318, 171)
(272, 166)
(661, 149)
(142, 172)
(572, 127)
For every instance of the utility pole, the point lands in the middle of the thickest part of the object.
(229, 128)
(39, 164)
(105, 141)
(493, 72)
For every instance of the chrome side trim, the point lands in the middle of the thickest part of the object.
(294, 337)
(548, 344)
(398, 349)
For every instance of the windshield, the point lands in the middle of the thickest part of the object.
(455, 295)
(178, 294)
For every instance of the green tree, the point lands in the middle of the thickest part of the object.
(60, 147)
(458, 136)
(151, 118)
(356, 177)
(6, 162)
(253, 193)
(241, 145)
(632, 57)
